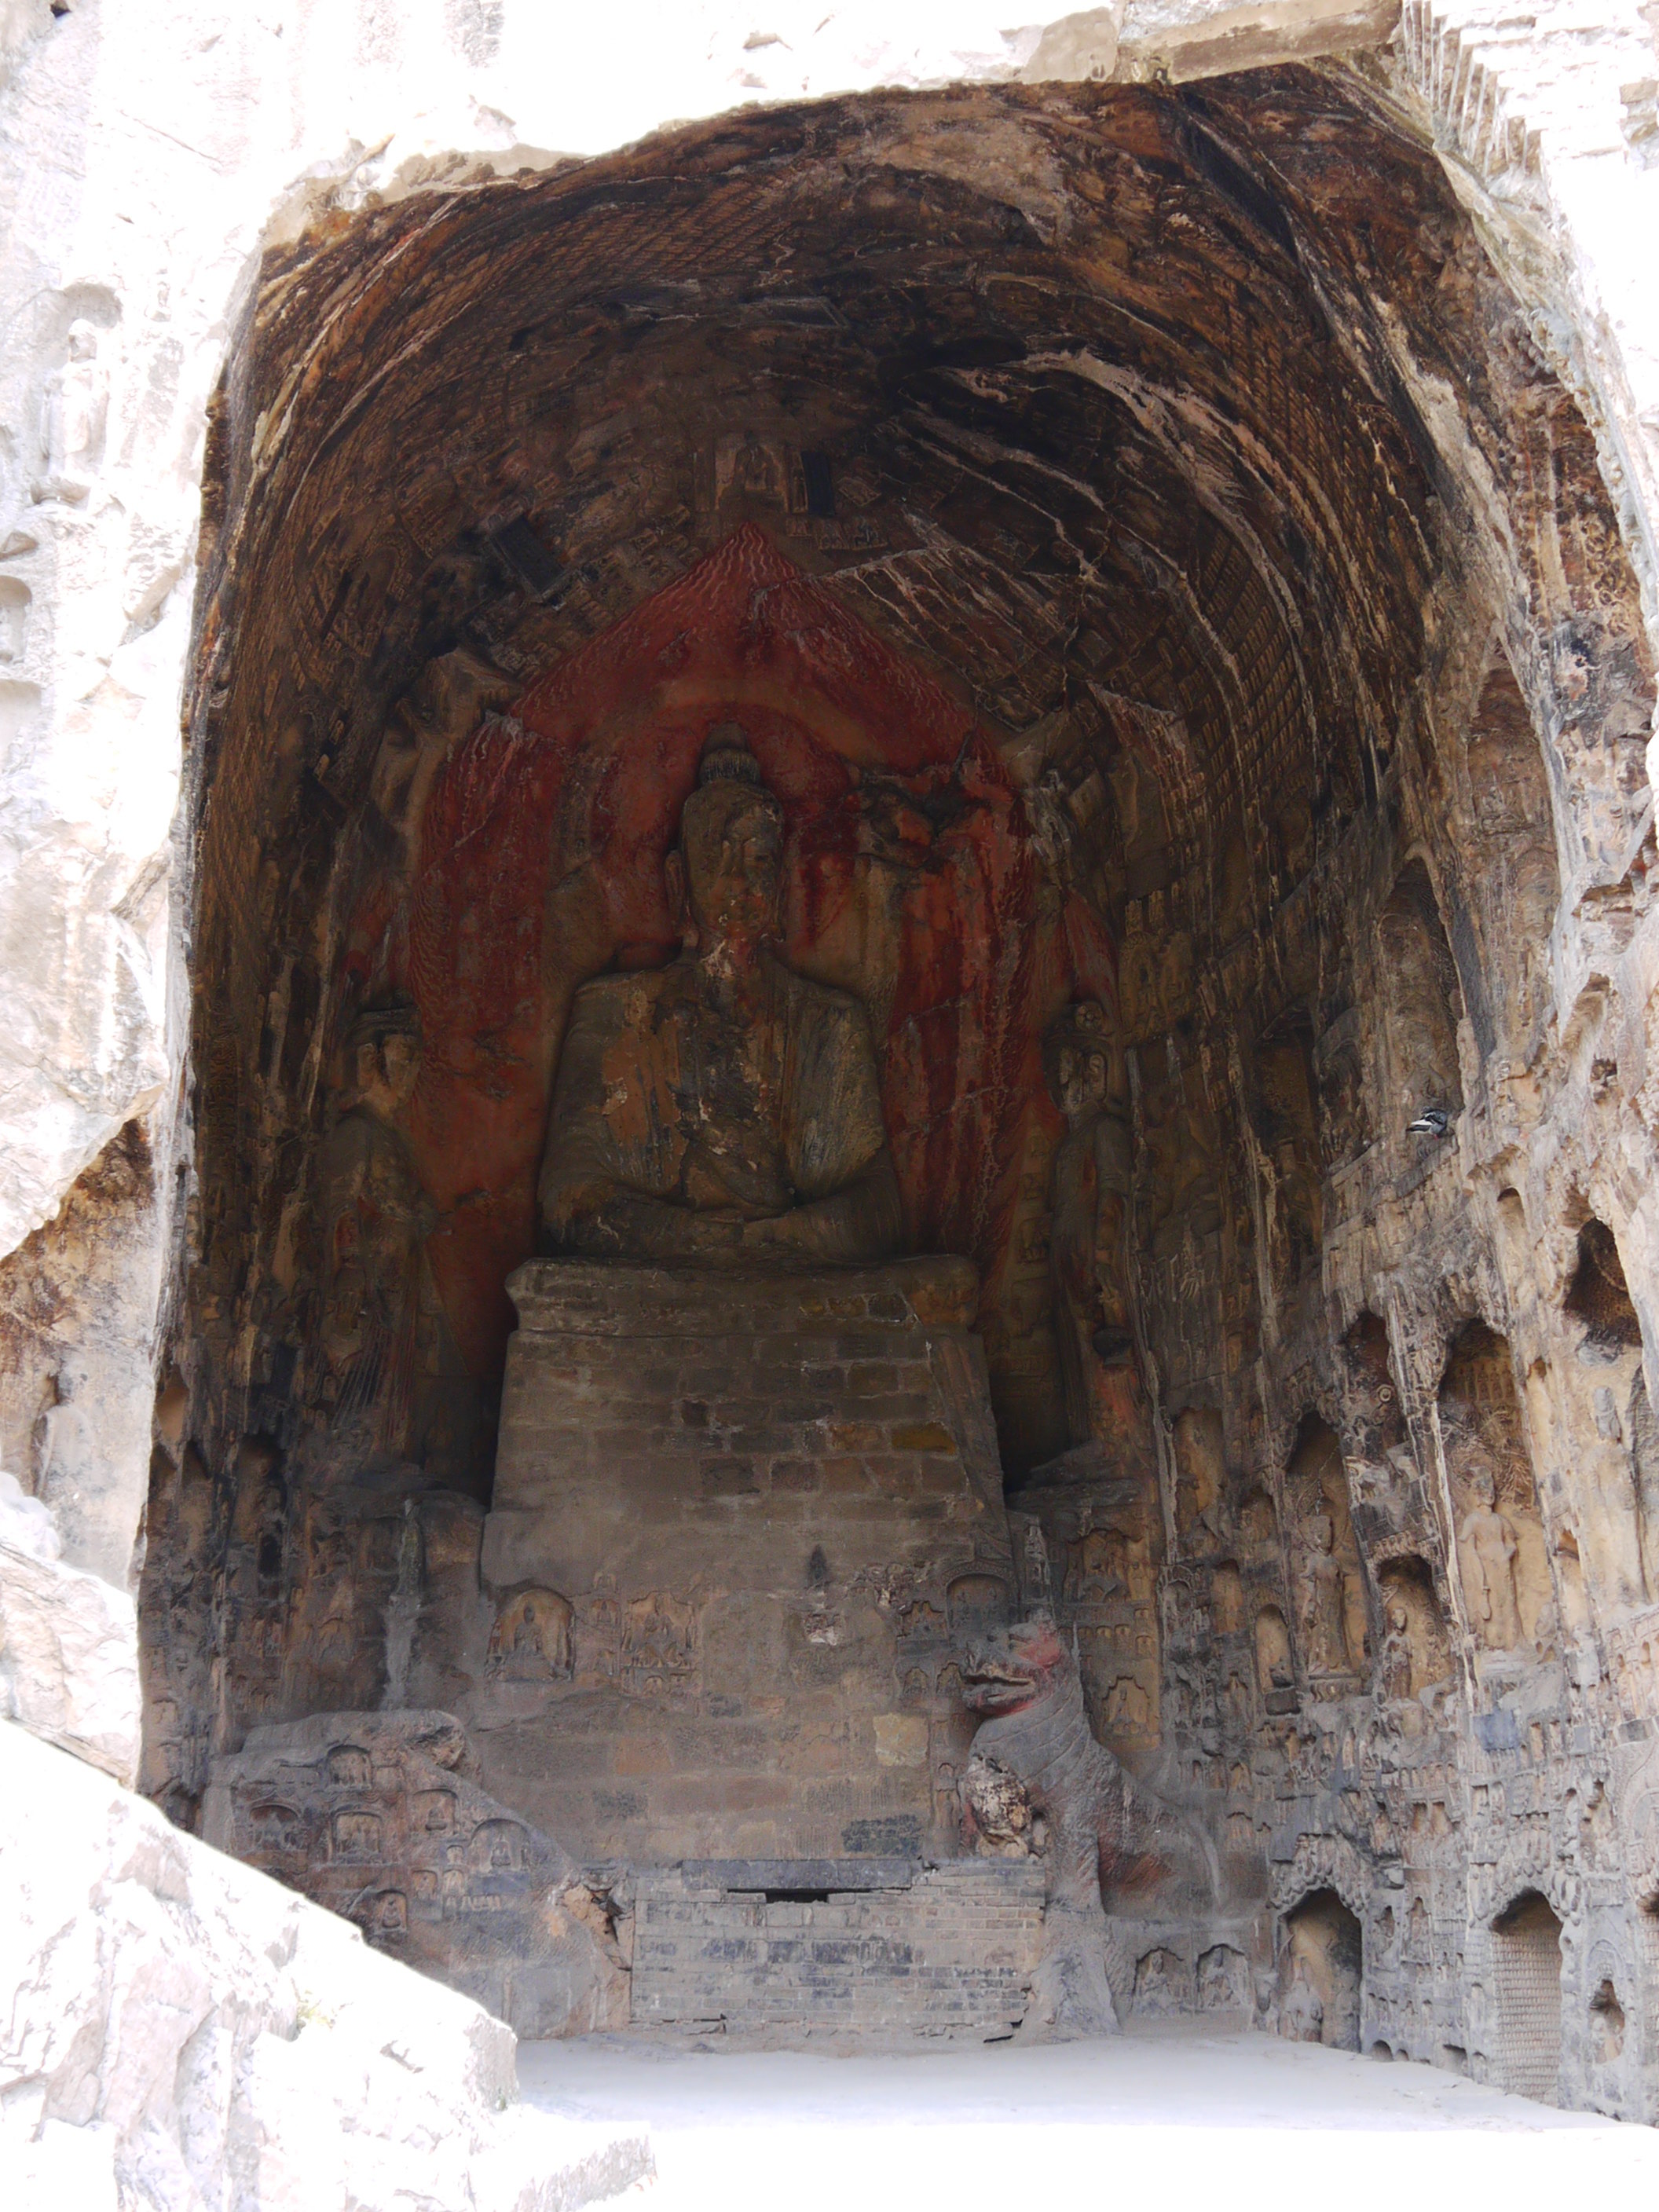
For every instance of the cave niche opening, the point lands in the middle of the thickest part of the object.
(1143, 701)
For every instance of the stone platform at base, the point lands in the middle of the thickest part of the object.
(744, 1524)
(782, 1950)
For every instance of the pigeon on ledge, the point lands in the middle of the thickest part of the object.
(1432, 1121)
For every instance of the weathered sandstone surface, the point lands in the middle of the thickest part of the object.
(182, 2032)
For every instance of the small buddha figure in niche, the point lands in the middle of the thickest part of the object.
(1083, 1059)
(721, 1110)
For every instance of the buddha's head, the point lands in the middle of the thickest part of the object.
(1478, 1475)
(1077, 1059)
(384, 1055)
(723, 877)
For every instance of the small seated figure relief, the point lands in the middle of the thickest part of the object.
(1160, 1985)
(658, 1652)
(356, 1836)
(434, 1811)
(1128, 1709)
(276, 1828)
(721, 1110)
(384, 1915)
(497, 1847)
(530, 1641)
(349, 1766)
(1224, 1980)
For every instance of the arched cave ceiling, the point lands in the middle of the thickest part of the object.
(1104, 472)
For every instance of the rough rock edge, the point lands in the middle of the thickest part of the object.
(181, 2032)
(69, 1660)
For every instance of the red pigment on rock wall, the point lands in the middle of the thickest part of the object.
(912, 881)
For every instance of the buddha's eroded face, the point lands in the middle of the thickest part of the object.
(1083, 1075)
(731, 855)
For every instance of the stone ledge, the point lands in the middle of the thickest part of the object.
(616, 1298)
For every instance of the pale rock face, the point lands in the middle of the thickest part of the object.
(68, 1653)
(182, 2031)
(26, 1524)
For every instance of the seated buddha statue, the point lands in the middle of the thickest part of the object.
(722, 1111)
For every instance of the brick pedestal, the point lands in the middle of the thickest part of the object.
(768, 1950)
(741, 1526)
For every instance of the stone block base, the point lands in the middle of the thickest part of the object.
(786, 1950)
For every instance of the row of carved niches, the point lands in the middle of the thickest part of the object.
(379, 1816)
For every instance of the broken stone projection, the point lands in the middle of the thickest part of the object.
(842, 1222)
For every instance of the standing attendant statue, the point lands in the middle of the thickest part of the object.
(1322, 1607)
(1487, 1542)
(73, 413)
(1084, 1060)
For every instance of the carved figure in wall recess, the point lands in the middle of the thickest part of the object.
(1487, 1547)
(1201, 1477)
(1324, 1598)
(1096, 1562)
(531, 1640)
(721, 1110)
(1105, 1835)
(1393, 1666)
(1301, 2009)
(394, 1384)
(74, 411)
(1083, 1058)
(1275, 1677)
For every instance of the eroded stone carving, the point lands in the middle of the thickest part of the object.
(377, 1816)
(1084, 1060)
(74, 415)
(722, 1109)
(1104, 1835)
